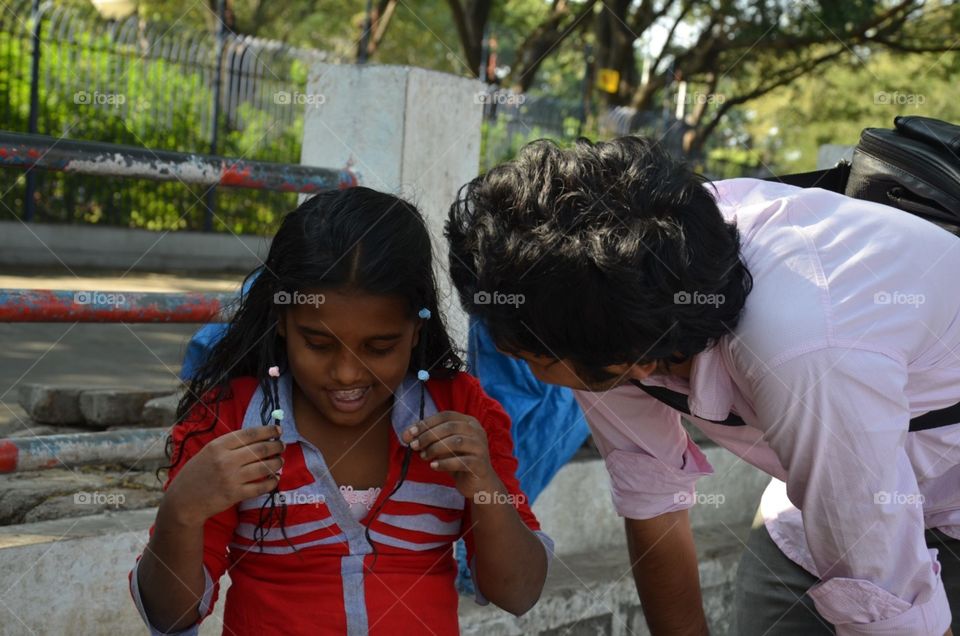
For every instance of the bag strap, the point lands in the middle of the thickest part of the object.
(678, 401)
(833, 179)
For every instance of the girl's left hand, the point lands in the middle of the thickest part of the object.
(455, 443)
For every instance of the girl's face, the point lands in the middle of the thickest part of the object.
(348, 352)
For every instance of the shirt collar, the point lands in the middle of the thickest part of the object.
(709, 390)
(711, 387)
(406, 405)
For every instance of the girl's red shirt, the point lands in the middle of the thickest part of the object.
(330, 582)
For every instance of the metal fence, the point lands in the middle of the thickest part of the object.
(67, 73)
(510, 120)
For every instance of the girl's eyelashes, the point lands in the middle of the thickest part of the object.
(317, 347)
(381, 351)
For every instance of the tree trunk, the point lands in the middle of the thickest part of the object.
(470, 18)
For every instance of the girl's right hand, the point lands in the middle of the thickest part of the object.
(225, 471)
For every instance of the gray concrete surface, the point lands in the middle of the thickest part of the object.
(590, 588)
(102, 247)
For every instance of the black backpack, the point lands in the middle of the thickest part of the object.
(914, 167)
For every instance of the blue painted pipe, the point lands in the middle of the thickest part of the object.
(126, 447)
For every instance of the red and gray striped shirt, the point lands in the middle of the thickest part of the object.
(328, 581)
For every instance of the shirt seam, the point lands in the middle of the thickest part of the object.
(825, 298)
(832, 343)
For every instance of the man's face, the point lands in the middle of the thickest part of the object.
(561, 372)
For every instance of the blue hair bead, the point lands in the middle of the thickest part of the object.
(423, 375)
(425, 313)
(277, 414)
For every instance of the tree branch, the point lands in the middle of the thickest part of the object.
(544, 40)
(783, 78)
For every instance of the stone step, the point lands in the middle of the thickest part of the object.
(86, 560)
(590, 588)
(593, 594)
(96, 407)
(577, 512)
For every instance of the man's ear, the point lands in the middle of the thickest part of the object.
(641, 371)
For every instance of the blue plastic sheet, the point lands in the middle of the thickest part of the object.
(204, 340)
(547, 423)
(548, 426)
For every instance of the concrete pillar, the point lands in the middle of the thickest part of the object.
(408, 131)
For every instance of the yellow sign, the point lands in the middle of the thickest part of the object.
(608, 79)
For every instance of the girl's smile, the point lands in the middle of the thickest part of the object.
(351, 400)
(349, 353)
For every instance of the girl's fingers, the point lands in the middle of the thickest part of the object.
(259, 469)
(257, 488)
(430, 423)
(252, 435)
(453, 464)
(444, 430)
(259, 451)
(450, 447)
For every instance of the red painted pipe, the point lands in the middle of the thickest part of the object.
(42, 305)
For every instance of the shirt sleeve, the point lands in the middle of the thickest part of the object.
(652, 462)
(838, 420)
(496, 423)
(203, 425)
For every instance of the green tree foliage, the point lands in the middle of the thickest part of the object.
(789, 125)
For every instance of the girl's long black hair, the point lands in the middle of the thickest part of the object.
(356, 239)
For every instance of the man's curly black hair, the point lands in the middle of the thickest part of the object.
(600, 245)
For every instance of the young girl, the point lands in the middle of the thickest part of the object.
(330, 451)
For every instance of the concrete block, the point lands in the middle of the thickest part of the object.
(160, 411)
(423, 147)
(114, 407)
(70, 576)
(91, 502)
(731, 494)
(63, 493)
(594, 593)
(22, 492)
(49, 404)
(577, 511)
